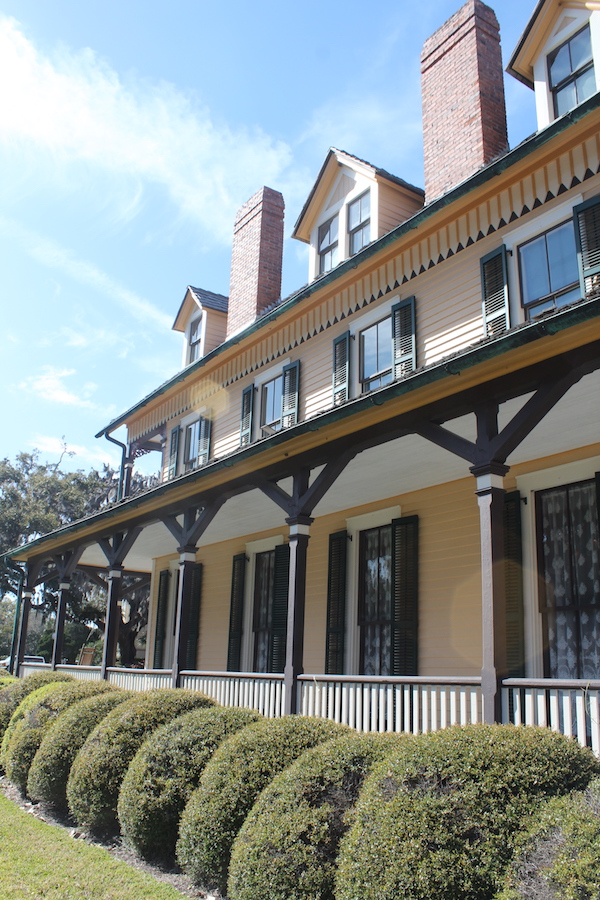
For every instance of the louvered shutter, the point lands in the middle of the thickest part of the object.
(173, 452)
(236, 613)
(341, 369)
(161, 618)
(279, 609)
(205, 426)
(193, 624)
(587, 237)
(404, 344)
(513, 573)
(405, 600)
(494, 292)
(246, 417)
(336, 603)
(290, 394)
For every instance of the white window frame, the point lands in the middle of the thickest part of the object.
(253, 548)
(201, 317)
(261, 379)
(203, 412)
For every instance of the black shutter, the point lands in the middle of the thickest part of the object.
(205, 425)
(236, 613)
(341, 369)
(494, 292)
(513, 573)
(336, 603)
(161, 618)
(290, 394)
(193, 623)
(405, 601)
(404, 343)
(280, 609)
(173, 452)
(246, 417)
(587, 239)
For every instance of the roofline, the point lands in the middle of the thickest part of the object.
(448, 367)
(511, 158)
(510, 67)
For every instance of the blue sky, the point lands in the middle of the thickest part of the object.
(130, 133)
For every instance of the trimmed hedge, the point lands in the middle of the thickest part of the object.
(22, 710)
(439, 817)
(287, 847)
(44, 706)
(165, 771)
(559, 852)
(49, 771)
(242, 766)
(12, 694)
(101, 764)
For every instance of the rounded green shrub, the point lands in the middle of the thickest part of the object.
(26, 704)
(43, 707)
(49, 771)
(287, 847)
(439, 817)
(101, 764)
(165, 771)
(559, 852)
(242, 766)
(12, 694)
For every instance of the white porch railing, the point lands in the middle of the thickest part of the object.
(248, 691)
(139, 679)
(570, 707)
(410, 704)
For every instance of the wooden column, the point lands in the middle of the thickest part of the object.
(113, 613)
(59, 631)
(294, 651)
(26, 606)
(187, 561)
(490, 497)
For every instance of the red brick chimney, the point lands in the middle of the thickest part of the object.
(256, 258)
(464, 114)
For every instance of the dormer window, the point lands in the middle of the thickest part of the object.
(195, 349)
(328, 245)
(359, 223)
(571, 72)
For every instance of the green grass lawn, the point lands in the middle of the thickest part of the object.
(39, 862)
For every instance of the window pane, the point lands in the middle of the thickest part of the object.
(560, 66)
(581, 49)
(384, 344)
(534, 270)
(369, 351)
(566, 99)
(586, 85)
(562, 256)
(271, 401)
(365, 202)
(353, 215)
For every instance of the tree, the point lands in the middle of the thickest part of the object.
(7, 617)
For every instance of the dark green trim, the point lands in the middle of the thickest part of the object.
(236, 613)
(336, 603)
(484, 175)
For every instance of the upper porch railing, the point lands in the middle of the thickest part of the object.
(404, 704)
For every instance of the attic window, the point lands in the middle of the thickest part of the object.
(359, 223)
(195, 340)
(328, 245)
(571, 72)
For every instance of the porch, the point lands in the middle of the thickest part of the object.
(412, 705)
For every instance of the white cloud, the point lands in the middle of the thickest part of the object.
(49, 385)
(74, 454)
(76, 109)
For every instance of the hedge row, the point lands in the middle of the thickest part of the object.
(12, 695)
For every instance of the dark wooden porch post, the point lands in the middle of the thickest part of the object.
(113, 612)
(187, 561)
(59, 631)
(294, 651)
(26, 606)
(490, 497)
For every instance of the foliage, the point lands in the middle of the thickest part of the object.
(439, 817)
(49, 771)
(42, 708)
(165, 771)
(287, 847)
(242, 766)
(101, 764)
(559, 853)
(7, 619)
(38, 861)
(76, 634)
(12, 695)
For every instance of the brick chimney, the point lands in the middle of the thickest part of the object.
(256, 258)
(464, 114)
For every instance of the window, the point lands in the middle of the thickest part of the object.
(571, 72)
(388, 348)
(548, 269)
(278, 401)
(196, 447)
(328, 245)
(569, 577)
(195, 350)
(271, 404)
(359, 223)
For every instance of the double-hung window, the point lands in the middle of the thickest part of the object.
(277, 400)
(549, 272)
(359, 223)
(196, 447)
(388, 347)
(328, 245)
(195, 349)
(271, 405)
(571, 72)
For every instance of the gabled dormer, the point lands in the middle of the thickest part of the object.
(351, 204)
(202, 318)
(558, 56)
